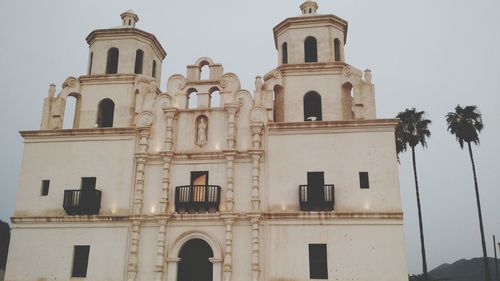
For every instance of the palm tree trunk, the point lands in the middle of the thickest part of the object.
(485, 255)
(420, 223)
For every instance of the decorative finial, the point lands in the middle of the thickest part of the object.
(309, 7)
(129, 18)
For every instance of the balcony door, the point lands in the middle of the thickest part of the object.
(315, 188)
(199, 181)
(195, 264)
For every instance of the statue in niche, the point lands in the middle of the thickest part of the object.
(201, 131)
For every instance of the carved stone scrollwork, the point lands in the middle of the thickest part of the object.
(144, 119)
(347, 71)
(141, 159)
(70, 82)
(257, 128)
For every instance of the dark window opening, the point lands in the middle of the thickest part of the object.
(284, 53)
(364, 180)
(195, 261)
(112, 62)
(336, 46)
(199, 178)
(90, 62)
(105, 113)
(139, 55)
(310, 49)
(129, 22)
(310, 10)
(88, 183)
(80, 261)
(45, 187)
(153, 71)
(318, 265)
(312, 107)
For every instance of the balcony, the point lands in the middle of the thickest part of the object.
(82, 202)
(197, 198)
(317, 198)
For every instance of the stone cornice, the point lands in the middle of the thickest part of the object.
(124, 32)
(332, 215)
(310, 21)
(341, 126)
(78, 132)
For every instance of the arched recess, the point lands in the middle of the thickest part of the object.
(336, 49)
(153, 71)
(105, 113)
(310, 49)
(139, 57)
(112, 61)
(312, 107)
(278, 104)
(346, 101)
(284, 53)
(204, 71)
(174, 257)
(214, 97)
(72, 111)
(192, 98)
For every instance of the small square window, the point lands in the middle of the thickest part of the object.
(45, 187)
(364, 181)
(318, 265)
(80, 261)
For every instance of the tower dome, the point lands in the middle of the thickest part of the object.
(129, 18)
(309, 7)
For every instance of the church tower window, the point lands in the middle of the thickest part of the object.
(284, 53)
(312, 107)
(153, 71)
(310, 49)
(139, 55)
(112, 62)
(336, 45)
(105, 113)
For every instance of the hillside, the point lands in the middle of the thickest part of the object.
(462, 270)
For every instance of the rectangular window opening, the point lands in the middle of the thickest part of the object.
(318, 264)
(45, 187)
(88, 183)
(80, 261)
(364, 181)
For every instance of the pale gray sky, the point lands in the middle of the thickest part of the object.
(428, 54)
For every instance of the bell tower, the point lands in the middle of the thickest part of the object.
(312, 81)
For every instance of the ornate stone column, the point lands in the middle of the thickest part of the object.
(231, 109)
(228, 259)
(255, 219)
(133, 256)
(230, 155)
(160, 251)
(256, 152)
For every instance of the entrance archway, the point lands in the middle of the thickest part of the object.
(195, 264)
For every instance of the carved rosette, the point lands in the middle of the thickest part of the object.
(170, 113)
(160, 251)
(255, 248)
(133, 257)
(231, 110)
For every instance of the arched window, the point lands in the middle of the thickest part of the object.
(192, 95)
(105, 113)
(139, 55)
(284, 53)
(214, 97)
(204, 71)
(71, 111)
(336, 48)
(312, 107)
(90, 62)
(112, 63)
(153, 71)
(310, 49)
(278, 104)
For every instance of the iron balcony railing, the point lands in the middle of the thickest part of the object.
(82, 202)
(317, 198)
(197, 198)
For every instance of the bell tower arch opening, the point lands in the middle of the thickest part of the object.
(105, 113)
(312, 107)
(310, 49)
(346, 100)
(195, 261)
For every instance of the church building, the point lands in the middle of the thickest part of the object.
(294, 180)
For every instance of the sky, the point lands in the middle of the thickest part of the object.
(427, 54)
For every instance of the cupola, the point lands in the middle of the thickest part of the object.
(129, 18)
(309, 7)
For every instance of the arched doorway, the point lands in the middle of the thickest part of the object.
(194, 262)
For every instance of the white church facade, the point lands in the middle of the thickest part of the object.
(296, 180)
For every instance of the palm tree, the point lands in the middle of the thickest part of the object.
(411, 131)
(466, 123)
